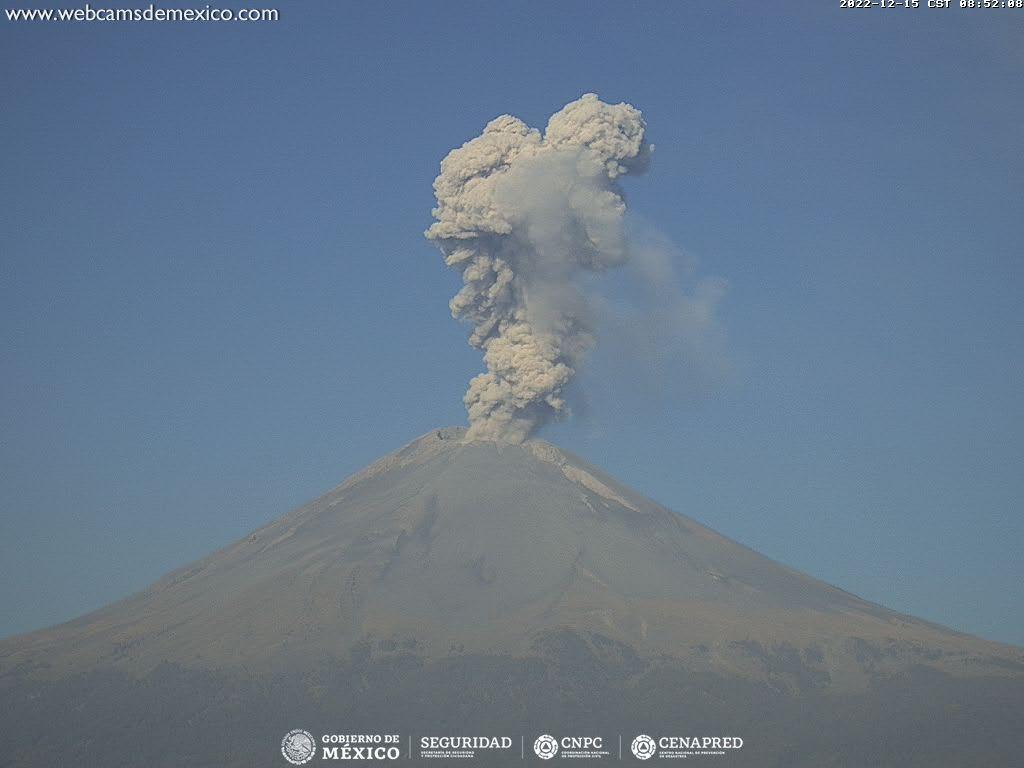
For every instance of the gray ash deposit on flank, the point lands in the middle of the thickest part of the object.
(493, 587)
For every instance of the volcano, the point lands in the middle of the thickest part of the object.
(488, 587)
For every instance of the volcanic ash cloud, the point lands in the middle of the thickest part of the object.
(522, 215)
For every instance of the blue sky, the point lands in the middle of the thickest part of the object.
(216, 301)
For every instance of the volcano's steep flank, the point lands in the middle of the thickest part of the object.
(519, 582)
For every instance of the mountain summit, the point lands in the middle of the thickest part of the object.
(527, 572)
(488, 547)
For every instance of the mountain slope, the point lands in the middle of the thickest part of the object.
(468, 588)
(449, 546)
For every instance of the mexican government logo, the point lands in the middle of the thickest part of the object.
(643, 747)
(546, 747)
(298, 746)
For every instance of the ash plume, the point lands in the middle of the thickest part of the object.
(522, 214)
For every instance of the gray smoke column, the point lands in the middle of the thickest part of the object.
(522, 215)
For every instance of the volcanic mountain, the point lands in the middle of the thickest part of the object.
(470, 586)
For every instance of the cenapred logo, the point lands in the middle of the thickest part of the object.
(546, 747)
(643, 747)
(298, 746)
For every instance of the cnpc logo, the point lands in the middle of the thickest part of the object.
(547, 746)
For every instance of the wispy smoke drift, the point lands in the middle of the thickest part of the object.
(522, 215)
